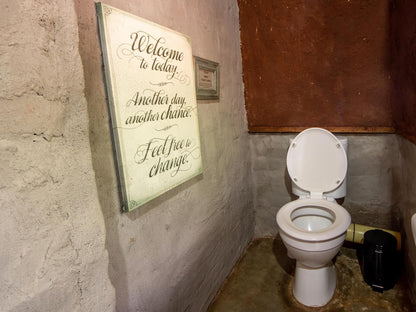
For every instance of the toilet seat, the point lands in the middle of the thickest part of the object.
(316, 161)
(342, 220)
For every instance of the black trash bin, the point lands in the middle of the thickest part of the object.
(380, 260)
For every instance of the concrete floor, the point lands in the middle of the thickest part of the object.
(262, 281)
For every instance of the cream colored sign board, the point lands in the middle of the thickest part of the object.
(149, 75)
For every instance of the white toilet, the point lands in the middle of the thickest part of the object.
(313, 227)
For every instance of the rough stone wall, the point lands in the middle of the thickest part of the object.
(173, 253)
(270, 179)
(374, 179)
(52, 234)
(381, 186)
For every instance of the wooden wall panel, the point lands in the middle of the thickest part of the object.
(403, 30)
(316, 63)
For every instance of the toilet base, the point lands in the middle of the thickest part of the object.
(314, 287)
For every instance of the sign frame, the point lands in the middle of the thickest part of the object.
(149, 71)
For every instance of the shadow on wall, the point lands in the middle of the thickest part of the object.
(101, 144)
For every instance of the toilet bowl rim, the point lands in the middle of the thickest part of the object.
(341, 223)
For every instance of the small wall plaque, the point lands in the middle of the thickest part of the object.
(207, 79)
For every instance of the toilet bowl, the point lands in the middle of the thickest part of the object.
(313, 227)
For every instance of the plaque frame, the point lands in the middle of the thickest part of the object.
(208, 84)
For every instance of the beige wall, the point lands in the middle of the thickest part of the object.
(173, 253)
(65, 246)
(52, 231)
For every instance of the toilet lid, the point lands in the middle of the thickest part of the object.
(316, 161)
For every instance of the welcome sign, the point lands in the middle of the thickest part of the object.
(149, 76)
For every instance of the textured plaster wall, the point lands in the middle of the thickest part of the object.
(373, 188)
(52, 231)
(173, 253)
(408, 208)
(64, 244)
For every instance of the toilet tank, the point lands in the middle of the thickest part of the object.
(340, 192)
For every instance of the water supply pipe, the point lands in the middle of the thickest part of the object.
(355, 234)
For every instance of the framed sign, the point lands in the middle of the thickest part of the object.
(207, 79)
(151, 92)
